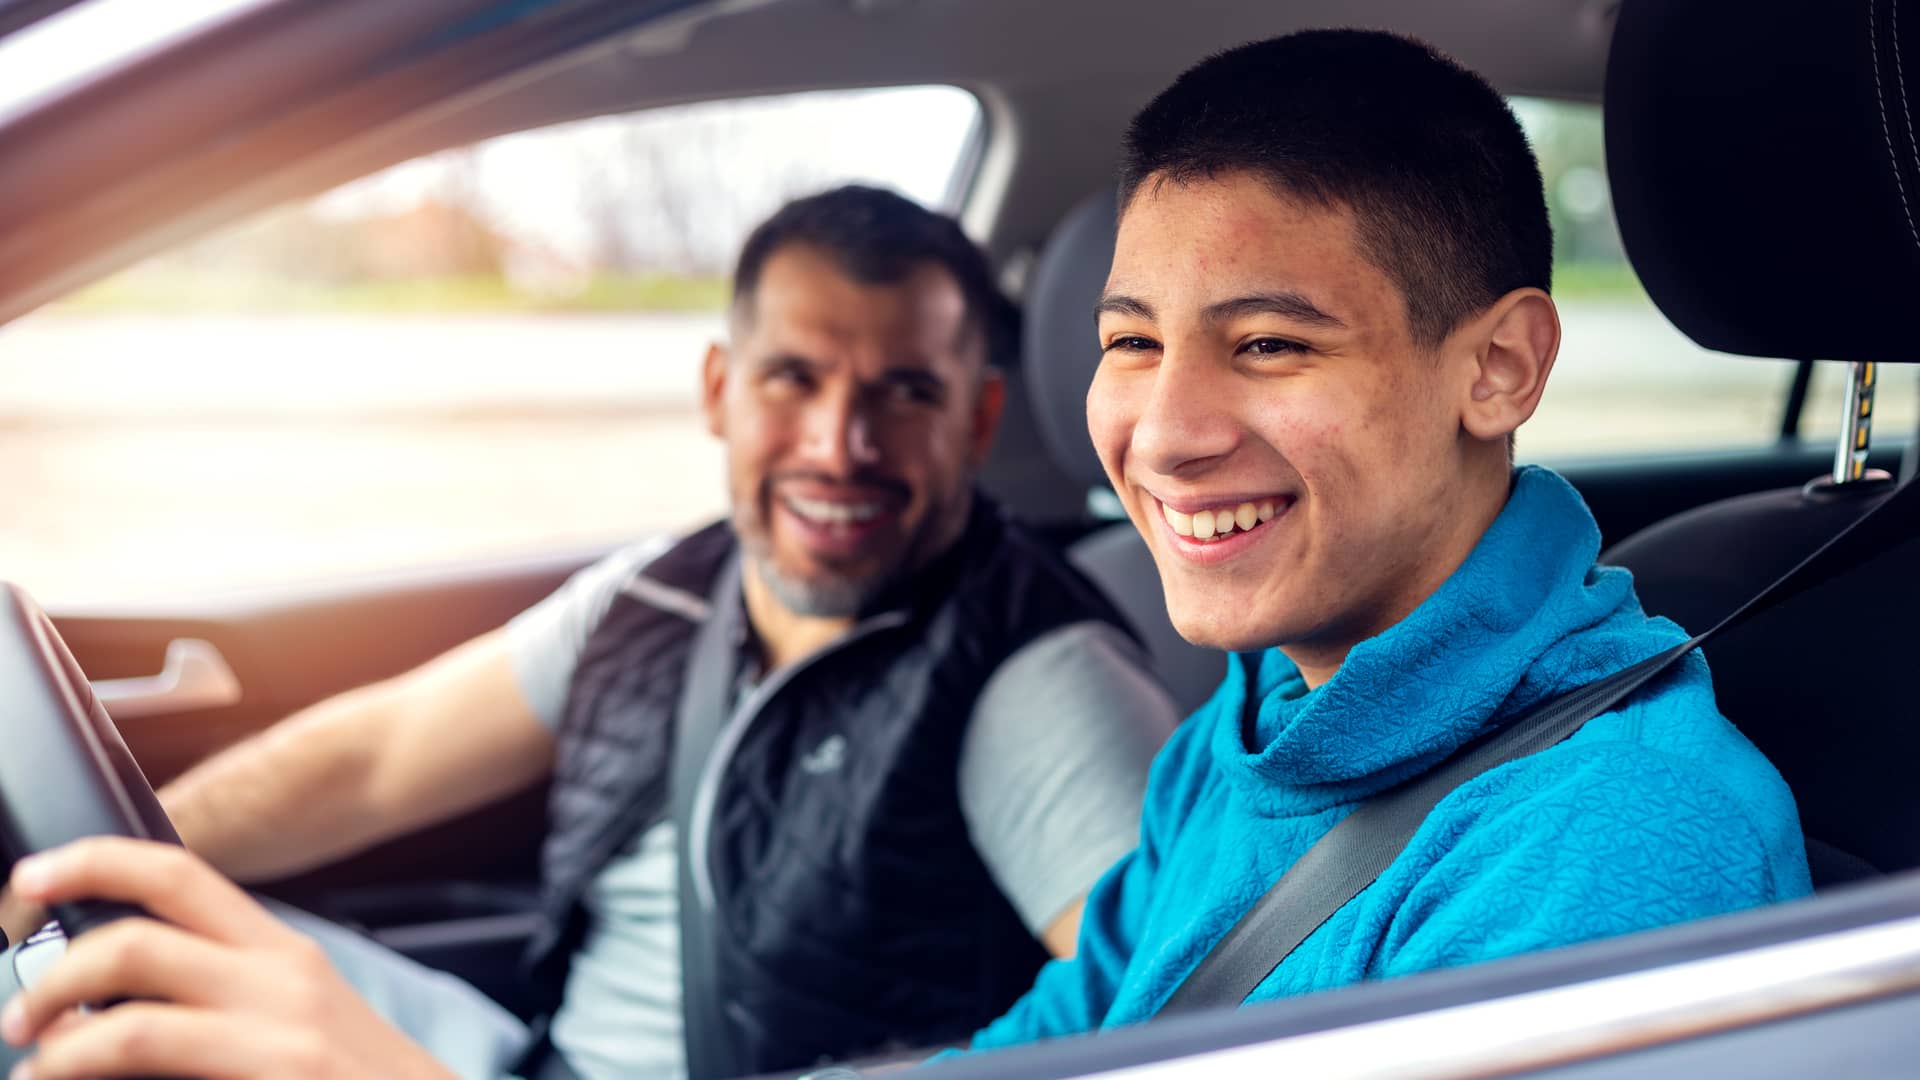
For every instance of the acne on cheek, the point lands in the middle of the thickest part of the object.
(1298, 427)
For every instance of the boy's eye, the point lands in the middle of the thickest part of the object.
(1130, 343)
(1267, 346)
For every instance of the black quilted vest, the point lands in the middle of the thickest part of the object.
(849, 912)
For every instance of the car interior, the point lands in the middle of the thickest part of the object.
(1748, 250)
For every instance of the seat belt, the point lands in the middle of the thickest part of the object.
(1357, 850)
(706, 701)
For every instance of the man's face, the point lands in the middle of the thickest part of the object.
(854, 416)
(1258, 369)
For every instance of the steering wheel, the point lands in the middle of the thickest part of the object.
(65, 773)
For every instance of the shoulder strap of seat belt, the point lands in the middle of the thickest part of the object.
(1357, 850)
(706, 700)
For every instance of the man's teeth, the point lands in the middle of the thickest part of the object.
(825, 512)
(1207, 524)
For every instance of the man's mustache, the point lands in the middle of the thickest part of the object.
(866, 482)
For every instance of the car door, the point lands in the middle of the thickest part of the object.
(187, 678)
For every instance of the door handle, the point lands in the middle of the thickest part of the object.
(194, 676)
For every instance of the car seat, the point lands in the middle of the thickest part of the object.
(1765, 178)
(1061, 353)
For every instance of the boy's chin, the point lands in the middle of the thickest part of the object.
(1226, 631)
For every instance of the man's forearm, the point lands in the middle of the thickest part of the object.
(294, 797)
(364, 767)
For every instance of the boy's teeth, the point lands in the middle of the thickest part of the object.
(1207, 524)
(1182, 523)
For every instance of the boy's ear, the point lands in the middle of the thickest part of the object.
(1514, 344)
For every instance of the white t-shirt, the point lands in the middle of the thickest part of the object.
(1071, 720)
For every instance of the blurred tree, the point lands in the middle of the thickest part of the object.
(1567, 139)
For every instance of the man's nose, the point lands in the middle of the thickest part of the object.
(840, 437)
(1188, 418)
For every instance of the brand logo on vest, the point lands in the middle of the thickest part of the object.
(827, 757)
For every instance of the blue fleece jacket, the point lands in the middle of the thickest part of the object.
(1656, 813)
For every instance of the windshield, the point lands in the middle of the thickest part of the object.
(64, 51)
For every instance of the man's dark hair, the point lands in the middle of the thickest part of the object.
(1444, 190)
(878, 238)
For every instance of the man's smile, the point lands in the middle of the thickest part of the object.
(838, 521)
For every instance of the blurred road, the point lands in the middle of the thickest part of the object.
(153, 457)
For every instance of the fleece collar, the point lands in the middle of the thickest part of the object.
(1526, 616)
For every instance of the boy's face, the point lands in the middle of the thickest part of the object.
(1257, 367)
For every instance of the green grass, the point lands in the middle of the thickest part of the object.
(194, 294)
(178, 294)
(1596, 281)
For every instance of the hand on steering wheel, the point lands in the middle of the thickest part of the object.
(212, 986)
(208, 984)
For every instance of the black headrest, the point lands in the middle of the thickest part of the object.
(1764, 170)
(1061, 348)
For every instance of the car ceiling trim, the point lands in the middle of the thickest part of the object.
(1566, 1024)
(100, 134)
(54, 236)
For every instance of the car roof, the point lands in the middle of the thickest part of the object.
(1065, 76)
(1058, 81)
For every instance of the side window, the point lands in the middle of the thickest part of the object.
(1626, 381)
(490, 351)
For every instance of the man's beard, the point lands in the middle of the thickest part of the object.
(821, 596)
(825, 593)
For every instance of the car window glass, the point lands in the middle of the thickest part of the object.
(1626, 382)
(491, 351)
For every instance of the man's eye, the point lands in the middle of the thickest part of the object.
(1130, 343)
(907, 393)
(790, 377)
(1268, 346)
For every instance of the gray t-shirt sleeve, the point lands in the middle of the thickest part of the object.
(544, 642)
(1055, 763)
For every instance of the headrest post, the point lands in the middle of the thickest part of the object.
(1856, 425)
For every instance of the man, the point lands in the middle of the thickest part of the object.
(1326, 317)
(784, 747)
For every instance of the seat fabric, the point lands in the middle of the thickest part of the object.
(1820, 684)
(1061, 354)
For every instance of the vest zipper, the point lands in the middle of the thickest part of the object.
(707, 793)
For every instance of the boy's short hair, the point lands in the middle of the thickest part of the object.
(1444, 189)
(877, 238)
